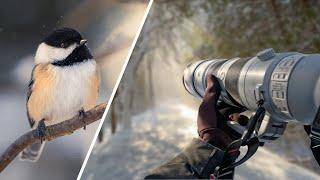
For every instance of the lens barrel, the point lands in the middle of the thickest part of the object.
(289, 83)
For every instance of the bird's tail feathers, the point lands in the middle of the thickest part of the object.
(32, 153)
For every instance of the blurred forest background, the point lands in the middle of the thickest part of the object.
(153, 117)
(108, 25)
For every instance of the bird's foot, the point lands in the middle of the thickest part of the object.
(41, 130)
(82, 115)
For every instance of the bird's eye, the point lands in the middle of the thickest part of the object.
(62, 45)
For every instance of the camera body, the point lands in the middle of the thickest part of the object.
(288, 83)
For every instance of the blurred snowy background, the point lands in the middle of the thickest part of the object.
(152, 117)
(109, 26)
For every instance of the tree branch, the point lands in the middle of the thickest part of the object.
(54, 131)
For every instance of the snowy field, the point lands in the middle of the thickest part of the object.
(159, 134)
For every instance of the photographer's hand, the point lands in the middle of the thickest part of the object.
(208, 116)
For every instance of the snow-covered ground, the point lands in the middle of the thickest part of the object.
(158, 134)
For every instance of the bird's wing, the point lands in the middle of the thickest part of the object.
(40, 92)
(29, 92)
(93, 91)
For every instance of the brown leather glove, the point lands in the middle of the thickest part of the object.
(208, 121)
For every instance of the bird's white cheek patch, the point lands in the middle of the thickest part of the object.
(49, 54)
(73, 87)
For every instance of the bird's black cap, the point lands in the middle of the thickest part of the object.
(63, 37)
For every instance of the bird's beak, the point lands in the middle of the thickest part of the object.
(83, 41)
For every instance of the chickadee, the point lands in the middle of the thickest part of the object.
(64, 82)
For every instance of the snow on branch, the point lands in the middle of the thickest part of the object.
(52, 132)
